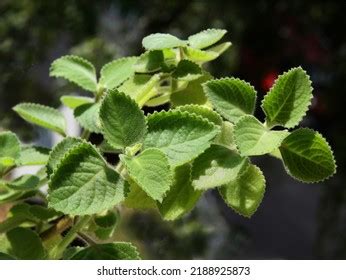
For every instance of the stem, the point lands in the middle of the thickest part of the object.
(85, 134)
(63, 224)
(87, 238)
(69, 237)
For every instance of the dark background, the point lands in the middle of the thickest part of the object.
(295, 221)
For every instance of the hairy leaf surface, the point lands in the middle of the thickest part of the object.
(160, 41)
(206, 38)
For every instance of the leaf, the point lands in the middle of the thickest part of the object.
(9, 150)
(33, 155)
(4, 257)
(206, 38)
(231, 97)
(226, 136)
(44, 116)
(254, 139)
(59, 152)
(217, 166)
(245, 194)
(180, 135)
(25, 244)
(187, 71)
(122, 121)
(24, 183)
(199, 56)
(151, 172)
(149, 62)
(288, 99)
(202, 111)
(73, 102)
(104, 225)
(192, 94)
(220, 48)
(83, 183)
(87, 116)
(159, 41)
(110, 251)
(307, 156)
(138, 199)
(43, 213)
(75, 69)
(182, 197)
(116, 72)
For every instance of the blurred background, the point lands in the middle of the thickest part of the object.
(295, 221)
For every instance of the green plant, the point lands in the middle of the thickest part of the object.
(166, 159)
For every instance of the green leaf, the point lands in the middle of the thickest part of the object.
(33, 155)
(43, 213)
(44, 116)
(151, 172)
(87, 116)
(254, 139)
(180, 135)
(187, 71)
(199, 56)
(182, 197)
(73, 102)
(84, 184)
(307, 156)
(220, 48)
(4, 257)
(116, 72)
(25, 244)
(138, 199)
(75, 69)
(149, 62)
(159, 41)
(123, 122)
(24, 183)
(245, 194)
(202, 111)
(217, 166)
(226, 136)
(288, 99)
(9, 150)
(104, 225)
(192, 94)
(231, 97)
(110, 251)
(206, 38)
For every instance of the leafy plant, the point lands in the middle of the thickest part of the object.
(166, 159)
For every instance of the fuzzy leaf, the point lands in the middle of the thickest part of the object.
(220, 48)
(109, 251)
(138, 199)
(180, 135)
(226, 136)
(151, 172)
(116, 72)
(33, 155)
(187, 71)
(199, 56)
(206, 38)
(76, 70)
(44, 116)
(25, 244)
(9, 150)
(150, 61)
(104, 225)
(182, 197)
(24, 183)
(288, 99)
(159, 41)
(254, 139)
(123, 122)
(83, 183)
(217, 166)
(73, 102)
(231, 97)
(202, 111)
(245, 194)
(307, 156)
(87, 116)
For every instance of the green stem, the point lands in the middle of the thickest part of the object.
(85, 134)
(57, 252)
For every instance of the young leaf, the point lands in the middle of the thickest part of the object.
(123, 122)
(44, 116)
(24, 183)
(59, 152)
(33, 155)
(159, 41)
(289, 99)
(104, 225)
(199, 56)
(182, 197)
(202, 111)
(220, 48)
(245, 194)
(217, 166)
(83, 183)
(9, 150)
(231, 97)
(87, 116)
(116, 72)
(226, 136)
(25, 244)
(149, 62)
(75, 69)
(73, 102)
(109, 251)
(206, 38)
(180, 135)
(151, 172)
(138, 199)
(307, 156)
(187, 71)
(254, 139)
